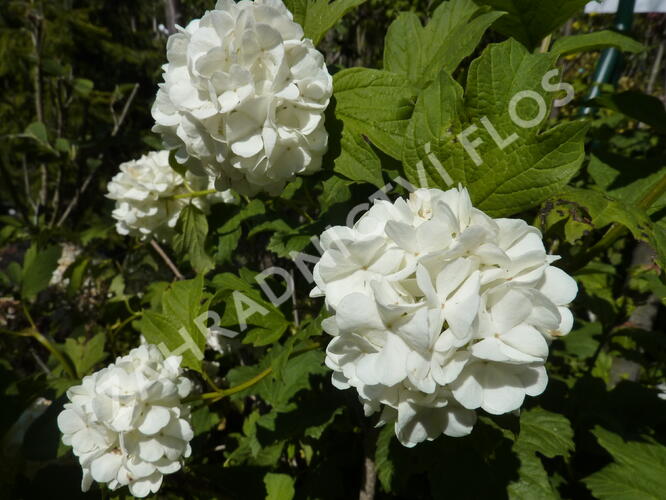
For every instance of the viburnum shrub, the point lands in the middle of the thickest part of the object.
(321, 281)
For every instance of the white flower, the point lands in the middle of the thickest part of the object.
(126, 423)
(68, 256)
(440, 310)
(662, 391)
(244, 97)
(144, 191)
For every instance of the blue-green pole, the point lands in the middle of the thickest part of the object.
(609, 67)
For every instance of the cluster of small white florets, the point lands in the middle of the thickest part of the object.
(126, 423)
(244, 97)
(145, 190)
(68, 256)
(440, 310)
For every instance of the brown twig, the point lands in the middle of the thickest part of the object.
(117, 124)
(26, 182)
(167, 260)
(171, 14)
(76, 198)
(55, 204)
(44, 188)
(369, 484)
(655, 68)
(36, 35)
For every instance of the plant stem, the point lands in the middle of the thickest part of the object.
(49, 345)
(210, 381)
(369, 481)
(122, 324)
(194, 194)
(118, 122)
(23, 333)
(156, 246)
(219, 394)
(172, 15)
(247, 384)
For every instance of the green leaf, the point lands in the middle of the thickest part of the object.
(319, 16)
(627, 179)
(309, 328)
(38, 267)
(375, 104)
(638, 106)
(173, 163)
(595, 41)
(316, 431)
(548, 433)
(385, 467)
(276, 392)
(229, 281)
(533, 483)
(259, 337)
(530, 21)
(279, 486)
(580, 342)
(62, 145)
(419, 53)
(175, 331)
(245, 304)
(357, 160)
(295, 377)
(203, 420)
(283, 244)
(249, 449)
(85, 354)
(83, 87)
(191, 238)
(636, 474)
(271, 226)
(563, 218)
(97, 231)
(335, 190)
(605, 210)
(502, 179)
(77, 275)
(37, 131)
(158, 329)
(231, 231)
(181, 302)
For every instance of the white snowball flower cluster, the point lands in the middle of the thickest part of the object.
(244, 97)
(440, 310)
(144, 191)
(126, 423)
